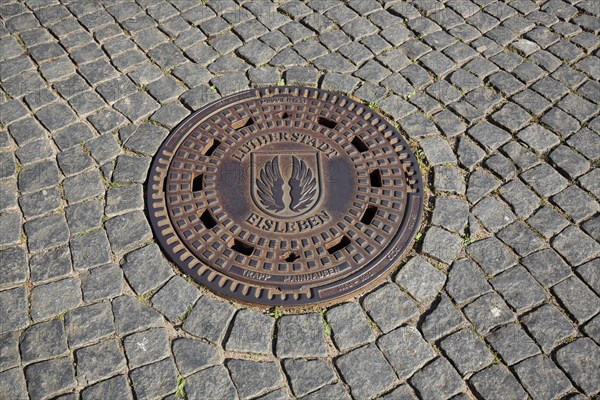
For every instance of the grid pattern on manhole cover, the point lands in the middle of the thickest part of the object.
(285, 196)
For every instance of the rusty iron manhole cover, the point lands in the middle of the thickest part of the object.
(285, 196)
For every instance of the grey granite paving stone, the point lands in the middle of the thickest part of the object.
(90, 370)
(466, 281)
(300, 336)
(545, 180)
(90, 250)
(450, 213)
(523, 201)
(253, 378)
(42, 341)
(396, 107)
(389, 307)
(83, 186)
(577, 298)
(14, 265)
(438, 380)
(212, 383)
(154, 380)
(520, 238)
(49, 378)
(146, 269)
(496, 383)
(438, 151)
(502, 166)
(102, 283)
(406, 350)
(576, 203)
(402, 392)
(193, 355)
(488, 312)
(480, 184)
(146, 347)
(38, 176)
(306, 376)
(55, 298)
(366, 371)
(116, 388)
(548, 221)
(489, 136)
(13, 309)
(349, 325)
(541, 378)
(493, 213)
(590, 181)
(422, 280)
(448, 179)
(586, 142)
(89, 323)
(85, 216)
(548, 326)
(512, 343)
(575, 246)
(251, 333)
(467, 351)
(579, 359)
(12, 381)
(519, 289)
(209, 319)
(127, 230)
(175, 298)
(132, 315)
(590, 274)
(441, 319)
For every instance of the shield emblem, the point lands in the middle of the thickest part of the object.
(286, 184)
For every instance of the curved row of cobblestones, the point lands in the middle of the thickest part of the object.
(499, 298)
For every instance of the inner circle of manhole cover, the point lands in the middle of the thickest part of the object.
(285, 196)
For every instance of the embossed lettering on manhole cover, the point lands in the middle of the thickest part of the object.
(285, 196)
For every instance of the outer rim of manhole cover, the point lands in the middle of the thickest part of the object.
(285, 196)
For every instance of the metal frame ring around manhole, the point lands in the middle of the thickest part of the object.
(285, 196)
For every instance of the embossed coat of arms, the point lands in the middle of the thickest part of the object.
(286, 184)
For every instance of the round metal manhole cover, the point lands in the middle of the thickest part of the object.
(285, 196)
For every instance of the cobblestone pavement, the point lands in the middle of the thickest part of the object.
(498, 300)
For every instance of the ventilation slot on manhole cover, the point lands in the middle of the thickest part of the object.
(359, 144)
(329, 123)
(369, 214)
(197, 183)
(210, 147)
(208, 220)
(291, 257)
(375, 178)
(242, 123)
(284, 115)
(338, 244)
(241, 247)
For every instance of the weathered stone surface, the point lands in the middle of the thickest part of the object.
(146, 347)
(251, 333)
(349, 325)
(512, 343)
(90, 370)
(44, 340)
(487, 312)
(50, 378)
(154, 380)
(467, 351)
(366, 371)
(300, 336)
(541, 378)
(442, 319)
(580, 360)
(421, 280)
(212, 383)
(306, 376)
(496, 383)
(253, 378)
(548, 326)
(438, 380)
(175, 298)
(389, 307)
(55, 298)
(209, 319)
(406, 350)
(193, 355)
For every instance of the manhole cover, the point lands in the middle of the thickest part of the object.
(285, 196)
